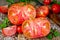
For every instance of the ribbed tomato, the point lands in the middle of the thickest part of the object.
(38, 27)
(42, 11)
(19, 12)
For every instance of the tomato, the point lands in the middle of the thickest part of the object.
(3, 9)
(47, 2)
(42, 11)
(20, 12)
(55, 8)
(59, 6)
(9, 31)
(38, 27)
(19, 29)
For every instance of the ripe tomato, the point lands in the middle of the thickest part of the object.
(20, 12)
(55, 8)
(3, 9)
(19, 29)
(59, 7)
(9, 31)
(38, 27)
(47, 2)
(42, 11)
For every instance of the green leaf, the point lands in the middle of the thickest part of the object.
(51, 30)
(53, 33)
(58, 2)
(10, 1)
(26, 1)
(5, 23)
(50, 36)
(56, 33)
(22, 0)
(54, 1)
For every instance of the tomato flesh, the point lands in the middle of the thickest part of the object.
(38, 27)
(19, 12)
(9, 31)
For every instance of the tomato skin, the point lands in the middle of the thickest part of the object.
(47, 2)
(3, 9)
(42, 11)
(59, 8)
(38, 27)
(20, 12)
(55, 8)
(9, 31)
(19, 29)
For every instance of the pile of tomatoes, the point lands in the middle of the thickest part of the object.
(30, 21)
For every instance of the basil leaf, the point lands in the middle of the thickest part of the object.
(10, 1)
(54, 1)
(21, 0)
(5, 23)
(26, 1)
(56, 33)
(50, 36)
(58, 3)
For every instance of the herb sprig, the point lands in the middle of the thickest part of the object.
(4, 23)
(53, 33)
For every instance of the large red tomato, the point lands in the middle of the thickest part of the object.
(9, 31)
(42, 11)
(19, 12)
(38, 27)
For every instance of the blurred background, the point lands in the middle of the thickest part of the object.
(3, 2)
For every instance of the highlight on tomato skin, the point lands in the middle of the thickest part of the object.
(39, 27)
(19, 12)
(19, 29)
(42, 11)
